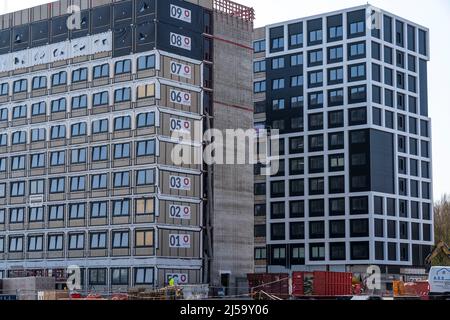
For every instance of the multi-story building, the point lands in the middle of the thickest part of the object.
(88, 104)
(347, 91)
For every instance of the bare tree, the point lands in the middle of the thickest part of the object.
(442, 226)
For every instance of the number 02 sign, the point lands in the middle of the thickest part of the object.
(180, 212)
(179, 240)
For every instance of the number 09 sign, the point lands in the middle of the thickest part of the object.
(179, 240)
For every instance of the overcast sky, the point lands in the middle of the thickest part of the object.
(434, 14)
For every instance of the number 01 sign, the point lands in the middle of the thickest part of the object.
(179, 240)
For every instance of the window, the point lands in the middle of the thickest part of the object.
(4, 114)
(101, 71)
(15, 244)
(37, 135)
(316, 164)
(97, 277)
(121, 150)
(315, 100)
(145, 148)
(17, 189)
(145, 177)
(296, 166)
(17, 163)
(357, 27)
(3, 139)
(357, 116)
(55, 242)
(79, 102)
(78, 129)
(277, 43)
(146, 62)
(316, 186)
(20, 86)
(76, 241)
(121, 179)
(123, 66)
(100, 98)
(278, 104)
(317, 252)
(315, 36)
(337, 229)
(37, 160)
(36, 187)
(357, 72)
(260, 254)
(296, 209)
(98, 240)
(296, 60)
(122, 123)
(335, 119)
(146, 91)
(277, 84)
(296, 145)
(296, 81)
(356, 50)
(120, 276)
(99, 209)
(36, 214)
(35, 243)
(58, 132)
(259, 46)
(277, 231)
(277, 63)
(120, 239)
(77, 211)
(145, 206)
(57, 185)
(337, 207)
(297, 102)
(19, 112)
(357, 94)
(3, 164)
(56, 213)
(259, 66)
(335, 32)
(79, 75)
(296, 187)
(336, 162)
(78, 156)
(335, 76)
(335, 97)
(145, 120)
(77, 184)
(122, 95)
(18, 137)
(315, 79)
(259, 86)
(143, 276)
(315, 57)
(99, 181)
(4, 89)
(59, 78)
(388, 52)
(144, 239)
(335, 54)
(16, 215)
(316, 143)
(121, 208)
(58, 105)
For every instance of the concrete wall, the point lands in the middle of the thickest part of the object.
(232, 218)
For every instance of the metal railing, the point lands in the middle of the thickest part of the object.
(235, 9)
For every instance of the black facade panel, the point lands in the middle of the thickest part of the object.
(145, 10)
(101, 19)
(423, 87)
(356, 16)
(84, 26)
(123, 13)
(122, 41)
(334, 21)
(277, 32)
(145, 37)
(59, 29)
(361, 147)
(168, 14)
(382, 161)
(39, 33)
(315, 24)
(163, 41)
(5, 41)
(21, 37)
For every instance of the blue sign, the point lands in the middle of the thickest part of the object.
(7, 297)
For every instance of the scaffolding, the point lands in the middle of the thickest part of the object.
(235, 9)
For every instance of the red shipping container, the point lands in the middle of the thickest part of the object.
(298, 288)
